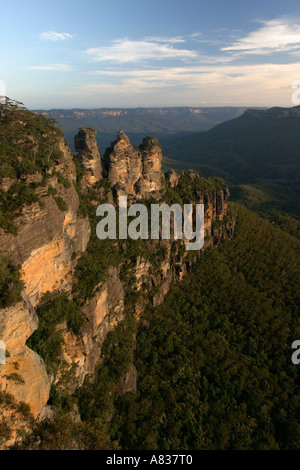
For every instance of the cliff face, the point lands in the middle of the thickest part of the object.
(24, 375)
(51, 237)
(103, 311)
(47, 245)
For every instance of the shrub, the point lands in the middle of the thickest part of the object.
(47, 341)
(61, 204)
(10, 283)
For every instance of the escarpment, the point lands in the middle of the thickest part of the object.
(51, 234)
(24, 375)
(55, 244)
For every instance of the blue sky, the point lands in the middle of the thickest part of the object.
(95, 53)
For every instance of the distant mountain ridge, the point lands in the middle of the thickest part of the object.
(275, 112)
(259, 144)
(138, 122)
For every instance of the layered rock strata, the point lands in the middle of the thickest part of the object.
(134, 170)
(89, 156)
(50, 241)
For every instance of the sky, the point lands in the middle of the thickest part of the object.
(150, 53)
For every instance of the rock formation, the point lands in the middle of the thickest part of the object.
(103, 312)
(24, 375)
(132, 170)
(47, 246)
(172, 177)
(50, 240)
(88, 154)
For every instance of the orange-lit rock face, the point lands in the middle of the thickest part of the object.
(136, 170)
(88, 154)
(103, 312)
(46, 268)
(24, 374)
(47, 237)
(44, 246)
(107, 303)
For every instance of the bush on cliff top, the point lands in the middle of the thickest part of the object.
(12, 202)
(54, 309)
(28, 141)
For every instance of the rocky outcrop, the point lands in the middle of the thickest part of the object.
(151, 159)
(172, 177)
(131, 170)
(128, 382)
(24, 374)
(89, 156)
(103, 312)
(176, 263)
(49, 240)
(47, 245)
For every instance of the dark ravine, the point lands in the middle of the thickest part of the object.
(50, 241)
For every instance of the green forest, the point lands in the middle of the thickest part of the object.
(213, 362)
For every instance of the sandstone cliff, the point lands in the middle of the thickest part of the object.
(131, 170)
(88, 154)
(51, 237)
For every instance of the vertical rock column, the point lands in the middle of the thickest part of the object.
(134, 170)
(152, 158)
(88, 154)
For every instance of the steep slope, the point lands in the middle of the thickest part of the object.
(43, 233)
(214, 361)
(76, 288)
(258, 144)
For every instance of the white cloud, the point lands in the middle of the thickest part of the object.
(54, 36)
(125, 50)
(242, 85)
(274, 36)
(55, 67)
(171, 40)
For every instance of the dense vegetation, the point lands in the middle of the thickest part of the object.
(213, 362)
(54, 308)
(10, 282)
(29, 144)
(190, 186)
(28, 141)
(280, 204)
(247, 148)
